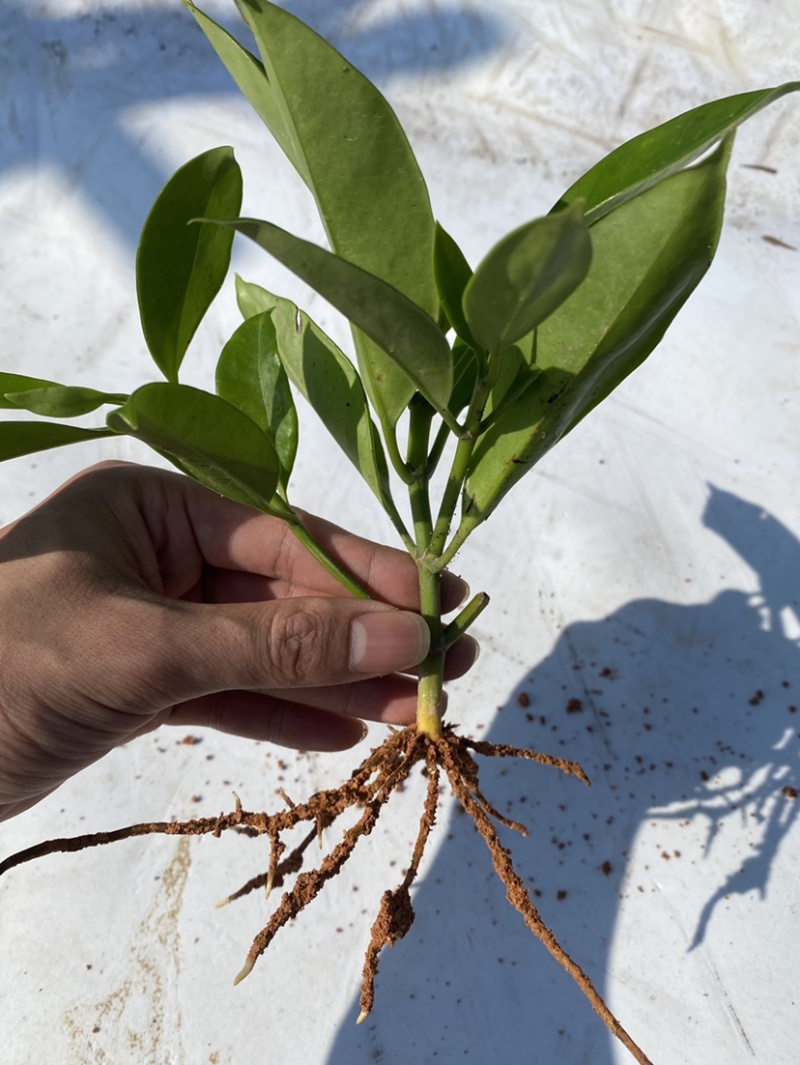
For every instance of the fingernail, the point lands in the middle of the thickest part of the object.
(387, 641)
(465, 591)
(455, 592)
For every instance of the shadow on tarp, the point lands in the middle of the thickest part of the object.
(676, 712)
(70, 82)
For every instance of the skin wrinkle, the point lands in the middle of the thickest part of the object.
(297, 644)
(160, 534)
(255, 643)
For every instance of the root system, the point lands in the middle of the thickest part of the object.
(366, 792)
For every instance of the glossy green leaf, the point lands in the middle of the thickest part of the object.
(205, 437)
(526, 276)
(25, 438)
(180, 267)
(452, 273)
(648, 257)
(58, 401)
(250, 375)
(250, 78)
(406, 333)
(328, 380)
(656, 154)
(352, 152)
(18, 382)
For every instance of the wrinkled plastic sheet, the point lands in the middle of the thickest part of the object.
(644, 578)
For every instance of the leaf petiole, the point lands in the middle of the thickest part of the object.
(282, 510)
(463, 620)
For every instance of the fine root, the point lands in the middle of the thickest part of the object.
(383, 772)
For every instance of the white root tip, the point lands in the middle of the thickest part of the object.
(362, 1016)
(247, 968)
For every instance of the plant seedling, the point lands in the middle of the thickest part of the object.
(485, 369)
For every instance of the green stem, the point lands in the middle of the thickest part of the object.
(461, 459)
(431, 672)
(439, 442)
(437, 564)
(455, 482)
(396, 459)
(461, 622)
(347, 580)
(419, 429)
(452, 423)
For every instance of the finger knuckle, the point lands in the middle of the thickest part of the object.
(296, 647)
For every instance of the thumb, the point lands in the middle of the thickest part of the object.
(286, 643)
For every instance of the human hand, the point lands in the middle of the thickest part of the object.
(133, 597)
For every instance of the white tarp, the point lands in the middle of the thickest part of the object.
(647, 571)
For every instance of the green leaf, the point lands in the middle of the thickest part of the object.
(405, 332)
(180, 267)
(649, 255)
(452, 273)
(465, 374)
(328, 380)
(250, 77)
(17, 382)
(517, 372)
(351, 151)
(205, 437)
(24, 438)
(250, 375)
(656, 154)
(58, 401)
(526, 276)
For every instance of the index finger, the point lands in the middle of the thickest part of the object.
(231, 536)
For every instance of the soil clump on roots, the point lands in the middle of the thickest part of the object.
(367, 791)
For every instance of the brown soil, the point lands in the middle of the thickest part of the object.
(367, 791)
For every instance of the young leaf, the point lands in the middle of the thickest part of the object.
(526, 276)
(180, 267)
(649, 255)
(251, 80)
(17, 382)
(58, 401)
(656, 154)
(355, 158)
(251, 377)
(452, 273)
(405, 332)
(205, 437)
(327, 379)
(24, 438)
